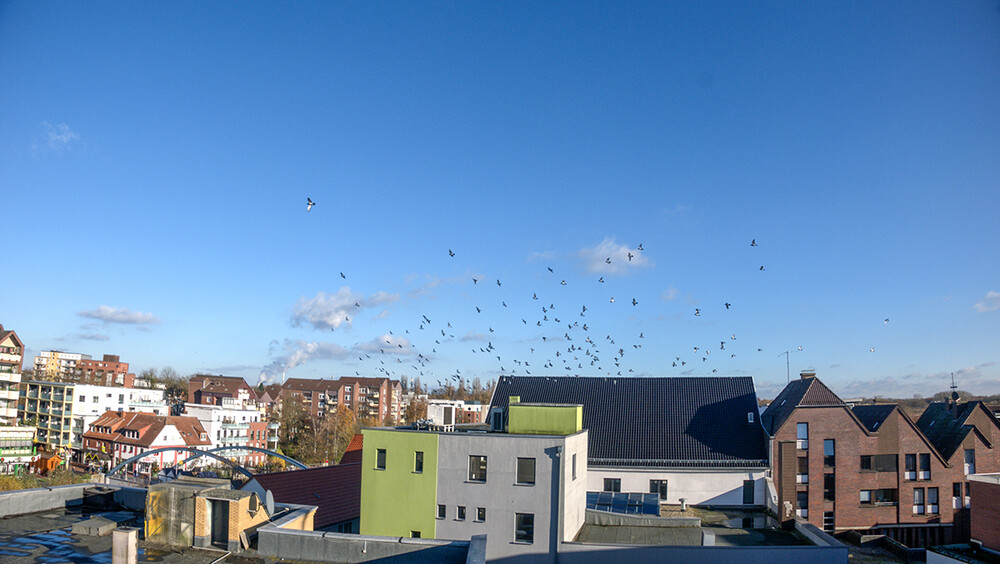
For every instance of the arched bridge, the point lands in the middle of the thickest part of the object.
(210, 453)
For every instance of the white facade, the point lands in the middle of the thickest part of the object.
(558, 496)
(10, 380)
(169, 436)
(57, 362)
(16, 448)
(446, 412)
(698, 486)
(227, 424)
(90, 402)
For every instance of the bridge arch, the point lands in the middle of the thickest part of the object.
(287, 459)
(196, 452)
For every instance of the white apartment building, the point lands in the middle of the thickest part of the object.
(49, 364)
(11, 351)
(229, 425)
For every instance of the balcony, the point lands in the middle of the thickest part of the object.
(274, 426)
(235, 426)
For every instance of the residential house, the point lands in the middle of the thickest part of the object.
(118, 435)
(233, 424)
(696, 438)
(210, 390)
(11, 359)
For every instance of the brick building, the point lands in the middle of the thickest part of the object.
(109, 371)
(210, 390)
(377, 398)
(872, 467)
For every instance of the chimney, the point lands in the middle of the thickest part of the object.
(807, 374)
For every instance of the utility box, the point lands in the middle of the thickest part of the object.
(170, 509)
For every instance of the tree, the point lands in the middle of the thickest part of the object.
(415, 411)
(403, 383)
(416, 385)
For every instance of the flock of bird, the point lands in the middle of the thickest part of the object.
(566, 343)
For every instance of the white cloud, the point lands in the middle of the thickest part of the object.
(608, 257)
(57, 137)
(110, 314)
(541, 256)
(93, 336)
(669, 294)
(473, 336)
(990, 303)
(329, 311)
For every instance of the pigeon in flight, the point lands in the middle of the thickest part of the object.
(612, 299)
(635, 303)
(601, 280)
(498, 282)
(309, 204)
(762, 268)
(550, 269)
(342, 276)
(563, 282)
(697, 312)
(753, 243)
(630, 255)
(639, 247)
(871, 349)
(451, 252)
(728, 304)
(886, 322)
(608, 260)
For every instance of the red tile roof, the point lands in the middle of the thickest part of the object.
(353, 452)
(148, 426)
(335, 490)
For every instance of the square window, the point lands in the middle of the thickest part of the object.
(612, 484)
(866, 497)
(442, 511)
(418, 461)
(380, 459)
(526, 471)
(461, 513)
(658, 487)
(477, 468)
(866, 462)
(480, 514)
(415, 534)
(524, 527)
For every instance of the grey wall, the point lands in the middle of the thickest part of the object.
(20, 502)
(339, 547)
(572, 553)
(501, 497)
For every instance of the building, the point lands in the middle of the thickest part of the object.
(371, 398)
(117, 436)
(699, 439)
(57, 366)
(524, 488)
(11, 358)
(334, 490)
(17, 447)
(211, 390)
(451, 412)
(62, 411)
(109, 371)
(231, 423)
(872, 468)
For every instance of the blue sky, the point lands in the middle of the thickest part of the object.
(155, 160)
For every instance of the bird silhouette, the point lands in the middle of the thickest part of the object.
(342, 276)
(475, 281)
(550, 269)
(871, 349)
(608, 260)
(753, 243)
(563, 282)
(762, 268)
(727, 305)
(697, 312)
(601, 280)
(498, 283)
(630, 255)
(612, 299)
(639, 247)
(635, 303)
(886, 322)
(451, 252)
(309, 204)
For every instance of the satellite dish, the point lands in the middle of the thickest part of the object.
(269, 502)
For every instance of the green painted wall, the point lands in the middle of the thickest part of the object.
(398, 500)
(527, 419)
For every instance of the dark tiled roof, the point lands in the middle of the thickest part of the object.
(806, 391)
(680, 422)
(945, 431)
(335, 490)
(873, 416)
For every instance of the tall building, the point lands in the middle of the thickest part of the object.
(109, 371)
(11, 357)
(873, 468)
(57, 366)
(234, 424)
(373, 398)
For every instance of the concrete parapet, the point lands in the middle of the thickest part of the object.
(608, 519)
(477, 550)
(19, 502)
(341, 547)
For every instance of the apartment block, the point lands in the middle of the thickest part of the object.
(17, 446)
(212, 390)
(451, 412)
(57, 366)
(231, 424)
(373, 398)
(11, 359)
(873, 468)
(525, 488)
(109, 371)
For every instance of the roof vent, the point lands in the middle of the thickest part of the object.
(807, 374)
(749, 417)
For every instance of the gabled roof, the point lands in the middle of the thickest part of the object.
(335, 490)
(659, 422)
(353, 451)
(148, 426)
(798, 393)
(873, 416)
(4, 333)
(945, 430)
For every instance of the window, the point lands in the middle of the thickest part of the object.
(461, 513)
(574, 465)
(477, 468)
(956, 495)
(925, 467)
(878, 497)
(380, 459)
(866, 497)
(747, 492)
(658, 487)
(829, 487)
(828, 521)
(802, 476)
(932, 501)
(612, 484)
(415, 534)
(480, 514)
(418, 461)
(918, 501)
(802, 504)
(526, 471)
(96, 399)
(121, 398)
(829, 452)
(802, 435)
(524, 527)
(866, 463)
(885, 462)
(911, 467)
(970, 461)
(442, 511)
(83, 398)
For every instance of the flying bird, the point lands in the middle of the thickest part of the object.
(871, 349)
(601, 280)
(608, 260)
(342, 276)
(309, 204)
(727, 305)
(451, 252)
(886, 321)
(634, 302)
(550, 269)
(697, 312)
(762, 268)
(563, 282)
(630, 255)
(753, 243)
(612, 299)
(639, 247)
